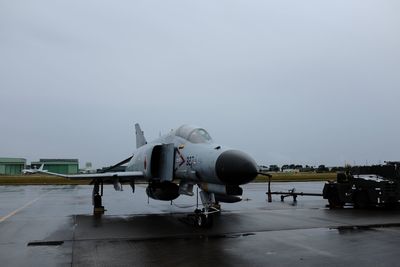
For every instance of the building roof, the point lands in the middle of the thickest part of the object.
(13, 160)
(58, 160)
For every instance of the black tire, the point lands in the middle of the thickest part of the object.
(197, 211)
(361, 200)
(335, 203)
(334, 198)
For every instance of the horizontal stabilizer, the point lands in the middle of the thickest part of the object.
(117, 165)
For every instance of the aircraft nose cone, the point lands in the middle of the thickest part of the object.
(234, 167)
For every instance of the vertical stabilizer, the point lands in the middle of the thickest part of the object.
(140, 139)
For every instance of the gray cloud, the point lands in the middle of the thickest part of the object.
(306, 82)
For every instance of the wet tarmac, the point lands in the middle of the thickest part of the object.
(53, 226)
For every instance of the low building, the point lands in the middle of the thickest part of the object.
(12, 166)
(62, 166)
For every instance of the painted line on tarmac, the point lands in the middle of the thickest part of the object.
(2, 219)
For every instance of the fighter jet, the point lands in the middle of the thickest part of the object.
(174, 163)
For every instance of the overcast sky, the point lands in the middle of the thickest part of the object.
(306, 82)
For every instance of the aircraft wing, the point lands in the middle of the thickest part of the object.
(129, 175)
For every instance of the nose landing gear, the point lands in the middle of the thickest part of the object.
(204, 218)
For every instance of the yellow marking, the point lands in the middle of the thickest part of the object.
(2, 219)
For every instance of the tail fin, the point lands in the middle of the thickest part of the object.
(140, 139)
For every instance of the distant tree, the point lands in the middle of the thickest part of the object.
(337, 169)
(285, 167)
(307, 168)
(274, 168)
(322, 168)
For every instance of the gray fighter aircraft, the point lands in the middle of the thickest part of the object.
(174, 163)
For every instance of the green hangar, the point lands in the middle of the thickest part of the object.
(12, 166)
(63, 166)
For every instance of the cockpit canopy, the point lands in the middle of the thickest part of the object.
(193, 134)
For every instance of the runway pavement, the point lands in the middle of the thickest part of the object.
(54, 226)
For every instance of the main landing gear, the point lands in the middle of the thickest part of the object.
(204, 218)
(98, 208)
